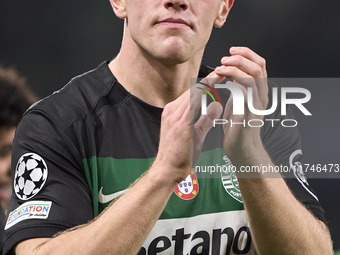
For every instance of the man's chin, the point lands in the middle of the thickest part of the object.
(174, 60)
(174, 56)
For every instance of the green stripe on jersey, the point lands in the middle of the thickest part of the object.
(113, 175)
(110, 176)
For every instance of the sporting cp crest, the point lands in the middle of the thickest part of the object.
(230, 182)
(188, 188)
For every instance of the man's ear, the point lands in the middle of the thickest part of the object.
(223, 12)
(118, 7)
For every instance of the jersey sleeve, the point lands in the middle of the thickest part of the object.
(50, 192)
(282, 141)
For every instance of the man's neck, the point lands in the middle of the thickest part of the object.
(151, 80)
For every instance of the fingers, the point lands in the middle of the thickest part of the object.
(237, 74)
(205, 122)
(251, 55)
(175, 126)
(200, 129)
(189, 103)
(228, 112)
(182, 104)
(246, 60)
(247, 68)
(199, 89)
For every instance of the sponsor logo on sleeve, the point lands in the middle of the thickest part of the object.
(188, 188)
(30, 176)
(29, 210)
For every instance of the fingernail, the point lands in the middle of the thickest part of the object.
(225, 59)
(233, 49)
(219, 69)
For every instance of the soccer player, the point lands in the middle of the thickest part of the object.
(128, 121)
(15, 98)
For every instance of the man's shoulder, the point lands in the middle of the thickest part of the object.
(77, 98)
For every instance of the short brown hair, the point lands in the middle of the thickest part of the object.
(15, 97)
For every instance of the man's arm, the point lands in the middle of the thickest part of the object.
(121, 229)
(125, 224)
(279, 223)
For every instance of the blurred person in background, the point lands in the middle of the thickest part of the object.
(15, 98)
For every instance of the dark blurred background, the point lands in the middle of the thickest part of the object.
(51, 41)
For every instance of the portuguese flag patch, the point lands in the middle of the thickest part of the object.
(188, 188)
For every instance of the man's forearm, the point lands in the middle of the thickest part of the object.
(121, 229)
(279, 223)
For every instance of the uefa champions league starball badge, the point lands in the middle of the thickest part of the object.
(30, 176)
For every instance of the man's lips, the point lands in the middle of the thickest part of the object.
(175, 23)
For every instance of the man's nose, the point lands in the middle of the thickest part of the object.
(176, 4)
